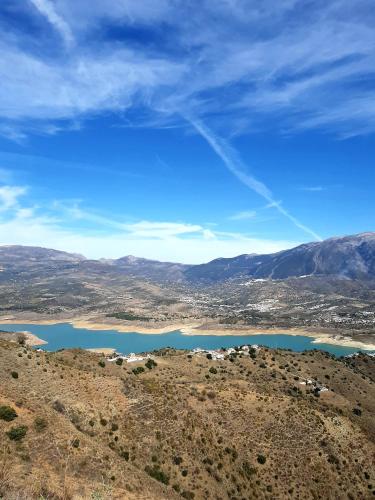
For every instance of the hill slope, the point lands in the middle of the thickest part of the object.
(350, 257)
(191, 427)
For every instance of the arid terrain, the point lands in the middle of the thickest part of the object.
(76, 426)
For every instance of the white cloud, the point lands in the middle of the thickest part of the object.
(82, 84)
(9, 196)
(245, 215)
(310, 67)
(191, 249)
(163, 240)
(313, 189)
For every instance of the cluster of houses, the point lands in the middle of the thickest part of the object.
(127, 358)
(318, 388)
(220, 354)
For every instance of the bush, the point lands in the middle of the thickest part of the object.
(7, 413)
(248, 469)
(261, 459)
(101, 363)
(138, 370)
(17, 433)
(357, 411)
(14, 374)
(40, 424)
(75, 443)
(189, 495)
(209, 356)
(157, 474)
(150, 364)
(213, 370)
(119, 361)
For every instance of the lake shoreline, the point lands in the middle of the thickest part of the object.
(194, 329)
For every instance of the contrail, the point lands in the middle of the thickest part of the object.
(47, 9)
(234, 164)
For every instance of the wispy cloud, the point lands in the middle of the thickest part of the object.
(245, 215)
(313, 189)
(9, 196)
(229, 62)
(97, 235)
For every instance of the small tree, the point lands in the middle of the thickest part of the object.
(7, 413)
(17, 433)
(40, 424)
(261, 459)
(138, 370)
(150, 364)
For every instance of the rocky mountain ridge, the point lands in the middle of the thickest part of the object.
(351, 257)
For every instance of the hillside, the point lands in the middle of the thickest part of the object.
(347, 257)
(190, 427)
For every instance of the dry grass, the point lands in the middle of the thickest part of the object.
(198, 434)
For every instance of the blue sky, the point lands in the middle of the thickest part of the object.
(185, 131)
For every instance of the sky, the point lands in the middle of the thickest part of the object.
(184, 131)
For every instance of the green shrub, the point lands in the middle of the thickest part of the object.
(17, 433)
(7, 413)
(189, 495)
(124, 454)
(75, 443)
(261, 459)
(213, 370)
(150, 364)
(138, 370)
(128, 316)
(14, 374)
(248, 469)
(40, 424)
(157, 474)
(119, 361)
(101, 363)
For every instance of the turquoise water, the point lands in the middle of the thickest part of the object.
(64, 336)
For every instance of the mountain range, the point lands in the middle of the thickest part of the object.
(351, 257)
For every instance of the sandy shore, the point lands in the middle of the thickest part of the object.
(196, 328)
(33, 340)
(344, 342)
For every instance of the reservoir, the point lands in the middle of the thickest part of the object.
(65, 336)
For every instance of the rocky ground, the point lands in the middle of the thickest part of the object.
(74, 425)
